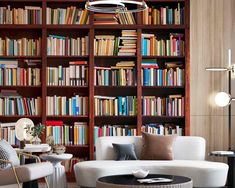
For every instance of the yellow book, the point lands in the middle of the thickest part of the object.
(67, 15)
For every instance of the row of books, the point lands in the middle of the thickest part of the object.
(11, 103)
(114, 130)
(173, 105)
(11, 75)
(68, 15)
(123, 74)
(26, 15)
(8, 134)
(156, 46)
(76, 134)
(20, 47)
(163, 129)
(110, 45)
(115, 106)
(152, 75)
(61, 45)
(74, 75)
(119, 18)
(164, 15)
(62, 105)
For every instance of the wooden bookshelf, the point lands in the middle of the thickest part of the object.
(43, 30)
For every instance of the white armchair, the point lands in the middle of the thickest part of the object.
(17, 174)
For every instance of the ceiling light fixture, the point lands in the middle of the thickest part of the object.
(115, 6)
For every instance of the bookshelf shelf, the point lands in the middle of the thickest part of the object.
(97, 62)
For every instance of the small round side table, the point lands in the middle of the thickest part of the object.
(58, 178)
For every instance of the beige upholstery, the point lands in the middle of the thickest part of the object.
(26, 173)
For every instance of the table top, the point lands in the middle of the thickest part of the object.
(55, 157)
(222, 153)
(131, 180)
(33, 148)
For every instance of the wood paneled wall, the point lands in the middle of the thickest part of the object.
(211, 27)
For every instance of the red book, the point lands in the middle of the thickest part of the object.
(54, 123)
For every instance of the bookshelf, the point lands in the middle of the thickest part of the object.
(44, 30)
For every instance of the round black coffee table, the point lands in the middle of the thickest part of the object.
(129, 181)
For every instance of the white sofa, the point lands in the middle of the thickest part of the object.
(189, 160)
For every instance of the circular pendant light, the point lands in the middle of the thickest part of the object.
(104, 6)
(115, 6)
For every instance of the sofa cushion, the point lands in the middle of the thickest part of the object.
(203, 173)
(8, 153)
(157, 147)
(124, 151)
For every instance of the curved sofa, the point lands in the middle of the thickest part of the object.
(189, 160)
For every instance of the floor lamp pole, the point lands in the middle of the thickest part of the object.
(229, 112)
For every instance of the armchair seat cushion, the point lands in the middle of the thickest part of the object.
(26, 173)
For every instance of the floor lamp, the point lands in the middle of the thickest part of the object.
(223, 99)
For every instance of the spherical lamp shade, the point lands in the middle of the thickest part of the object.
(20, 129)
(222, 99)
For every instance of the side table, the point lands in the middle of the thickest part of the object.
(231, 170)
(58, 178)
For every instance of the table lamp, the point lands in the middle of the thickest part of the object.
(20, 130)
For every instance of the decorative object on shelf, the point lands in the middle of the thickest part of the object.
(114, 6)
(20, 131)
(223, 99)
(35, 132)
(140, 173)
(55, 148)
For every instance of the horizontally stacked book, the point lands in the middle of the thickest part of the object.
(163, 129)
(76, 134)
(173, 105)
(108, 45)
(76, 74)
(115, 106)
(123, 74)
(114, 130)
(61, 45)
(154, 45)
(11, 103)
(114, 19)
(20, 47)
(153, 75)
(164, 15)
(69, 15)
(62, 105)
(12, 75)
(26, 15)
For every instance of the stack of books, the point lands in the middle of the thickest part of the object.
(61, 105)
(128, 43)
(123, 74)
(155, 46)
(12, 75)
(74, 75)
(69, 15)
(20, 47)
(105, 19)
(114, 130)
(164, 15)
(26, 15)
(61, 45)
(115, 106)
(160, 129)
(173, 105)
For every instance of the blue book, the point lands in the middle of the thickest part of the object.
(74, 110)
(56, 36)
(120, 106)
(67, 107)
(160, 77)
(11, 48)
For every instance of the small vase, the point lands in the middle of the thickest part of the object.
(36, 140)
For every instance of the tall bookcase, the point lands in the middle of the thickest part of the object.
(43, 30)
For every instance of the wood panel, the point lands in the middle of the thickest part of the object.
(211, 36)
